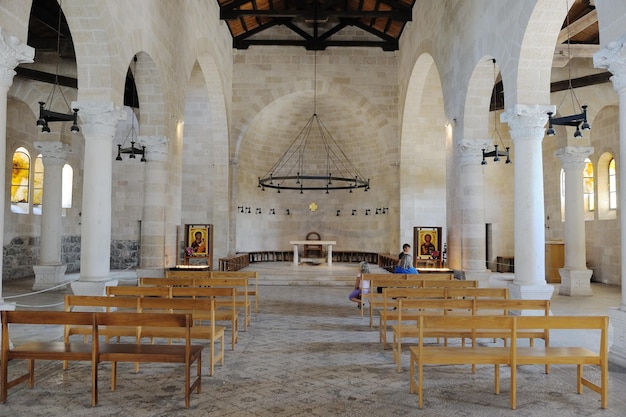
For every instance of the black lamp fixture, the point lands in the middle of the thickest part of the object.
(45, 114)
(575, 120)
(132, 151)
(292, 171)
(496, 154)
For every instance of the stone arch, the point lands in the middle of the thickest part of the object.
(205, 168)
(478, 100)
(422, 181)
(531, 77)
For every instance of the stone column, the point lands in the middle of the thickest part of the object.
(152, 248)
(527, 127)
(12, 53)
(98, 122)
(473, 210)
(575, 277)
(50, 271)
(613, 57)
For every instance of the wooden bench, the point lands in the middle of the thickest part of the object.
(165, 282)
(412, 309)
(423, 354)
(513, 355)
(241, 287)
(43, 349)
(97, 351)
(434, 276)
(202, 311)
(135, 291)
(225, 304)
(250, 275)
(389, 311)
(186, 354)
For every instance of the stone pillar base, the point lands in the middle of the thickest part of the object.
(48, 276)
(575, 281)
(617, 352)
(530, 292)
(482, 276)
(92, 287)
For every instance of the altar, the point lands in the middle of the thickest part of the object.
(329, 248)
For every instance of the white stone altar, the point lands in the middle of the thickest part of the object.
(329, 251)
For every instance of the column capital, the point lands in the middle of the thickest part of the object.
(99, 118)
(156, 147)
(471, 150)
(613, 58)
(54, 153)
(527, 122)
(12, 53)
(573, 156)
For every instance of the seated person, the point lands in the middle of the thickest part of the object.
(405, 264)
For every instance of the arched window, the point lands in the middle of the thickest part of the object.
(612, 186)
(68, 184)
(38, 185)
(588, 186)
(20, 181)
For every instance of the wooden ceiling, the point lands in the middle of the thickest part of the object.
(316, 24)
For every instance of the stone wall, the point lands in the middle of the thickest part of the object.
(22, 253)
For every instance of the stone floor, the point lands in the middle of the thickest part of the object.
(309, 353)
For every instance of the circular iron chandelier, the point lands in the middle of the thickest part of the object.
(301, 168)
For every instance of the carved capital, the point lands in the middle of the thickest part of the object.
(156, 147)
(573, 157)
(53, 153)
(471, 150)
(98, 118)
(12, 53)
(613, 58)
(527, 122)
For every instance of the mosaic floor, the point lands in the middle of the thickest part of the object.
(309, 353)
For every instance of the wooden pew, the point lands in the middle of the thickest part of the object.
(186, 354)
(513, 355)
(479, 293)
(435, 276)
(374, 298)
(97, 351)
(455, 283)
(202, 311)
(135, 291)
(423, 354)
(412, 309)
(225, 302)
(241, 286)
(43, 349)
(187, 273)
(250, 275)
(389, 311)
(165, 282)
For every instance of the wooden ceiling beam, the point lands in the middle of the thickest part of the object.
(577, 26)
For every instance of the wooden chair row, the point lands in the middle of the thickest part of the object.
(96, 351)
(202, 311)
(512, 355)
(250, 275)
(376, 299)
(410, 311)
(162, 288)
